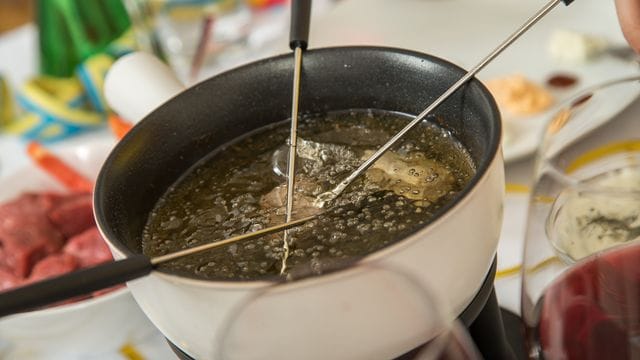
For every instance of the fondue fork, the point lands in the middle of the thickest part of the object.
(298, 41)
(88, 280)
(330, 195)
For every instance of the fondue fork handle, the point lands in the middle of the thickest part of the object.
(300, 19)
(77, 283)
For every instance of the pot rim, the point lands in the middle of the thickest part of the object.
(493, 155)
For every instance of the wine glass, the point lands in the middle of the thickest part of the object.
(581, 265)
(363, 312)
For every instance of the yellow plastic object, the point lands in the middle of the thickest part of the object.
(6, 104)
(53, 110)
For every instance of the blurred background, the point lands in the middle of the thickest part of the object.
(14, 13)
(55, 53)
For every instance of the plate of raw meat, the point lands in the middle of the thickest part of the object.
(47, 228)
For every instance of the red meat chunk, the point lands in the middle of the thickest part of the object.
(47, 200)
(53, 265)
(8, 279)
(26, 234)
(89, 248)
(72, 215)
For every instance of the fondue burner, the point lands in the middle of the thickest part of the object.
(496, 336)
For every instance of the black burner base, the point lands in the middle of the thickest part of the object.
(514, 330)
(488, 332)
(179, 353)
(496, 332)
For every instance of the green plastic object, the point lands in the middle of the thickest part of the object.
(72, 30)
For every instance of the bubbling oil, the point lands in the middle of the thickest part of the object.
(231, 192)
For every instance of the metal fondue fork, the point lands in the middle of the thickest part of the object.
(327, 196)
(298, 39)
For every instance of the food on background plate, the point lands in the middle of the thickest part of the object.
(572, 47)
(562, 81)
(518, 96)
(46, 234)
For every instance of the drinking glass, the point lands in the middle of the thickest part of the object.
(364, 312)
(189, 34)
(581, 264)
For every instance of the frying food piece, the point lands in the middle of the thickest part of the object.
(413, 176)
(303, 199)
(518, 95)
(323, 152)
(319, 158)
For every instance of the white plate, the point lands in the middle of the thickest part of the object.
(92, 328)
(465, 31)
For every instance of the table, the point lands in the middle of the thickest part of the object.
(17, 62)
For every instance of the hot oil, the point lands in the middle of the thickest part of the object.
(232, 192)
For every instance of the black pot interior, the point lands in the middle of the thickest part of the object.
(162, 147)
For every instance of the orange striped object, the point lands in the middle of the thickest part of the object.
(119, 127)
(57, 168)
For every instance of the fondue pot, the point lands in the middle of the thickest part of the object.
(451, 255)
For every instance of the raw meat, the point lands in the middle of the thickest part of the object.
(88, 248)
(26, 235)
(53, 265)
(34, 228)
(72, 215)
(8, 279)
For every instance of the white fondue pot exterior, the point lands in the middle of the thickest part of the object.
(450, 257)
